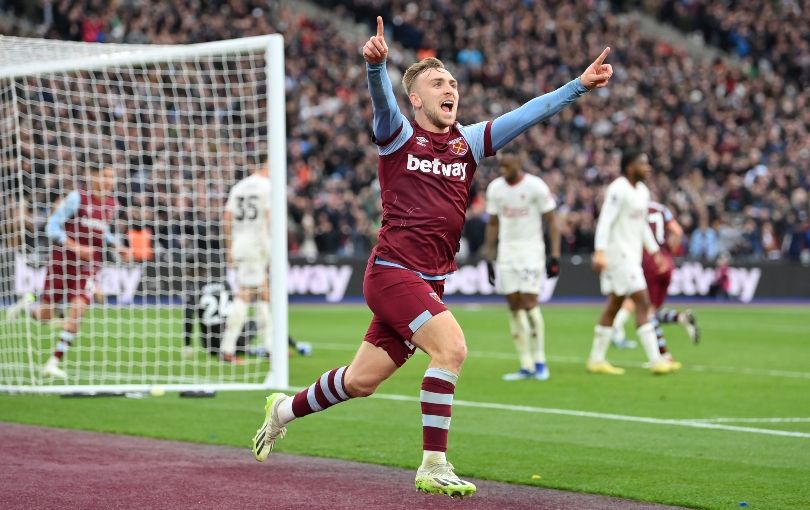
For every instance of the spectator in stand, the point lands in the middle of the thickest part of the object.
(703, 243)
(726, 137)
(771, 246)
(721, 284)
(327, 237)
(751, 239)
(140, 233)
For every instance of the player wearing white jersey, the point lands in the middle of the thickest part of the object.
(246, 225)
(622, 233)
(516, 202)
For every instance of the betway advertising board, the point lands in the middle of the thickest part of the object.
(335, 280)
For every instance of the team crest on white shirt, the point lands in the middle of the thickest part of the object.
(458, 146)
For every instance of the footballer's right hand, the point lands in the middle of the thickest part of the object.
(491, 272)
(124, 253)
(85, 253)
(375, 51)
(599, 262)
(598, 74)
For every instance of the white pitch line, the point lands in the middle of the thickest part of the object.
(750, 371)
(749, 420)
(606, 416)
(575, 360)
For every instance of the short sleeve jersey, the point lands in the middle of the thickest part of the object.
(88, 227)
(625, 243)
(520, 208)
(249, 204)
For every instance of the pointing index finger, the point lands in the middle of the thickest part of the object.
(380, 31)
(601, 58)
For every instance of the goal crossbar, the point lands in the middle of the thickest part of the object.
(102, 55)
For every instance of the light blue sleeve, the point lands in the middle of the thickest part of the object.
(110, 238)
(509, 125)
(55, 228)
(391, 128)
(475, 134)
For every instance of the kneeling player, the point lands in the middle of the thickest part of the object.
(208, 303)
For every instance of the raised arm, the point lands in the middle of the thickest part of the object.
(509, 125)
(387, 117)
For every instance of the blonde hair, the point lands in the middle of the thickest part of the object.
(418, 68)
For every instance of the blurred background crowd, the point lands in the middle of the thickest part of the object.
(728, 136)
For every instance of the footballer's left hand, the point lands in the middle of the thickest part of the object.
(491, 272)
(598, 74)
(661, 263)
(552, 267)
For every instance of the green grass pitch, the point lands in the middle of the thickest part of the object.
(716, 434)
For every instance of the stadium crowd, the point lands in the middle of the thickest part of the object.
(728, 141)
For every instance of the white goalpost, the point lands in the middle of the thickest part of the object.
(179, 125)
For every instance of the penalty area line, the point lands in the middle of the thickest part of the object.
(607, 416)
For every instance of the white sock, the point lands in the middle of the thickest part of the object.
(601, 342)
(618, 322)
(519, 325)
(646, 334)
(285, 412)
(233, 327)
(265, 323)
(537, 337)
(430, 458)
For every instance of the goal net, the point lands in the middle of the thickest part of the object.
(179, 126)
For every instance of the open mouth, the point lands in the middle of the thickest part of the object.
(447, 106)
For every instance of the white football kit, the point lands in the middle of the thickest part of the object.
(521, 250)
(622, 232)
(249, 205)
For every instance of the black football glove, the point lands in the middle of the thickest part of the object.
(552, 267)
(491, 272)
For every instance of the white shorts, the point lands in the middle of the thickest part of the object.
(622, 280)
(526, 279)
(252, 272)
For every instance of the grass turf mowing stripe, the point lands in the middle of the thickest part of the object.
(607, 416)
(575, 360)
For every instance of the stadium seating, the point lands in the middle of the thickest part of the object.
(728, 141)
